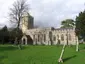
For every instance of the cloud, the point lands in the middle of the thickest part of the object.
(50, 13)
(4, 9)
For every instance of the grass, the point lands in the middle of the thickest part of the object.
(40, 55)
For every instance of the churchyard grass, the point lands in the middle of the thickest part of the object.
(40, 54)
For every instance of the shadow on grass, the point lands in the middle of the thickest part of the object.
(66, 59)
(10, 48)
(1, 58)
(82, 49)
(7, 48)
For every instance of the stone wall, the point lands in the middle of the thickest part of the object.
(49, 36)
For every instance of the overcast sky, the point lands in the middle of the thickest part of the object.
(47, 13)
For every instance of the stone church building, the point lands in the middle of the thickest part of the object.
(46, 36)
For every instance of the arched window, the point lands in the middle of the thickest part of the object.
(38, 37)
(50, 34)
(69, 37)
(33, 37)
(57, 36)
(44, 37)
(54, 38)
(62, 37)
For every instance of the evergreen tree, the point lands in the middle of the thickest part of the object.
(80, 25)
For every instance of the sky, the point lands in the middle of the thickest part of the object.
(46, 13)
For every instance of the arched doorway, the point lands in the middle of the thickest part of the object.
(24, 40)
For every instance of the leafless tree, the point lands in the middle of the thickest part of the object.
(19, 7)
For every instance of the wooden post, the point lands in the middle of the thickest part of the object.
(62, 52)
(77, 44)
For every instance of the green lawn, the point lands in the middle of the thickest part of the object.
(40, 55)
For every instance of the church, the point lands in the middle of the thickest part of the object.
(46, 36)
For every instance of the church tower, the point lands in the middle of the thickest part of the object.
(27, 22)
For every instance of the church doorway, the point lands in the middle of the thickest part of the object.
(24, 41)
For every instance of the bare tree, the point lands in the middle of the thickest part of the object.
(19, 7)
